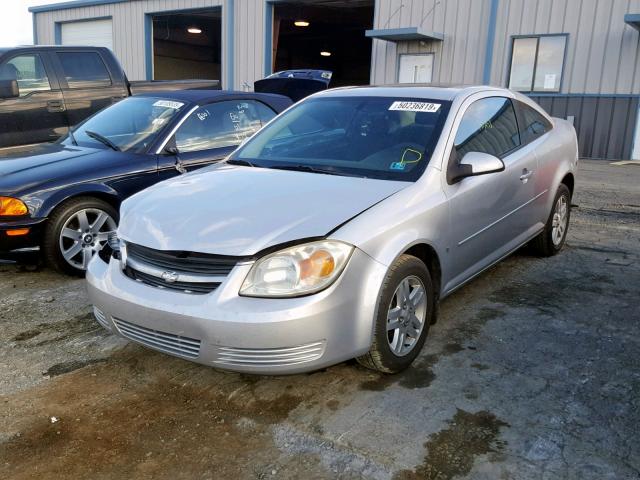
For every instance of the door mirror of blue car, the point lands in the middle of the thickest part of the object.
(9, 89)
(473, 164)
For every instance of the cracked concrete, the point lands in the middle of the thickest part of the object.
(530, 373)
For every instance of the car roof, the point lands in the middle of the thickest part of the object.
(426, 91)
(201, 97)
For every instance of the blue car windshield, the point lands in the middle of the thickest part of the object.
(130, 125)
(374, 137)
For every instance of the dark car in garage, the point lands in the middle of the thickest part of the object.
(61, 200)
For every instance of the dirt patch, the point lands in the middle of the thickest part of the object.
(70, 366)
(452, 451)
(146, 415)
(26, 335)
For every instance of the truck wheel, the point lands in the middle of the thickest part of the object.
(551, 240)
(404, 313)
(76, 231)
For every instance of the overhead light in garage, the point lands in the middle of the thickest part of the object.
(301, 23)
(194, 30)
(325, 53)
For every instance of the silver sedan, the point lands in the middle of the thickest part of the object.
(334, 232)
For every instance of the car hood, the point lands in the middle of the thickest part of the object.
(239, 211)
(41, 164)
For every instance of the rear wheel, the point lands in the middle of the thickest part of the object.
(76, 231)
(551, 240)
(405, 311)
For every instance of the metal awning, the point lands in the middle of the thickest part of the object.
(404, 34)
(633, 19)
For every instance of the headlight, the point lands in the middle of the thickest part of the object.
(298, 270)
(12, 207)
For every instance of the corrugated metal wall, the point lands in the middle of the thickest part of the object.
(249, 46)
(602, 51)
(605, 125)
(458, 59)
(128, 26)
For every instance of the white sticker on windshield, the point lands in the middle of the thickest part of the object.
(415, 107)
(168, 104)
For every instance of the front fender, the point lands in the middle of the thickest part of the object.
(42, 204)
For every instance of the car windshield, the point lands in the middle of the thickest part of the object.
(373, 137)
(130, 125)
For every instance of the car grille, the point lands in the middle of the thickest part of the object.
(200, 288)
(195, 273)
(185, 262)
(165, 342)
(269, 357)
(101, 318)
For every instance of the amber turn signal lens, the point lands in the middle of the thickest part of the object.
(12, 207)
(17, 232)
(320, 264)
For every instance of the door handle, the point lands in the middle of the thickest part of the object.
(54, 106)
(524, 178)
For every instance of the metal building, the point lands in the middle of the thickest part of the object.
(579, 59)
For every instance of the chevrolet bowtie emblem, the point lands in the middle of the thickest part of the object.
(169, 277)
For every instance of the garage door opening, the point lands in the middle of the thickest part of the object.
(326, 35)
(187, 45)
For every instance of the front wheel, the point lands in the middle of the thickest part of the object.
(76, 231)
(551, 240)
(405, 311)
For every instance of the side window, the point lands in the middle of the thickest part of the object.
(28, 71)
(217, 125)
(264, 112)
(489, 125)
(533, 123)
(84, 69)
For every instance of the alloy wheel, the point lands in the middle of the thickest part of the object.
(406, 315)
(560, 219)
(83, 235)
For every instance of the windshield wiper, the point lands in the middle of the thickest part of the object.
(242, 163)
(102, 139)
(310, 169)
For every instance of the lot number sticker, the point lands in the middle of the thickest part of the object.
(168, 104)
(415, 107)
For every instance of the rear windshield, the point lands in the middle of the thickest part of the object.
(374, 137)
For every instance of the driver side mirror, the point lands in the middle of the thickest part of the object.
(9, 89)
(473, 164)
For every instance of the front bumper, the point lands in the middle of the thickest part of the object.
(255, 335)
(21, 247)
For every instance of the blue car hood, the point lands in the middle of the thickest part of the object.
(239, 211)
(42, 164)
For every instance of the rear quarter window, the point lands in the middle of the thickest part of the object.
(532, 123)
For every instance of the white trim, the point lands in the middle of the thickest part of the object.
(635, 150)
(175, 129)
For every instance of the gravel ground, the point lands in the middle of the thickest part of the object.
(530, 373)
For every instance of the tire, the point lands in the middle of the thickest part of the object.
(386, 354)
(84, 216)
(550, 241)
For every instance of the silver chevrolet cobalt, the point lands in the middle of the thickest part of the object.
(334, 232)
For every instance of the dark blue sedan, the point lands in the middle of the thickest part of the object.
(62, 199)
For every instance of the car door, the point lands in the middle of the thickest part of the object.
(533, 130)
(38, 113)
(489, 214)
(212, 132)
(86, 83)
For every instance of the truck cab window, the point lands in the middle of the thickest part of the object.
(28, 71)
(84, 69)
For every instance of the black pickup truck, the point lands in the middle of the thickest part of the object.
(44, 90)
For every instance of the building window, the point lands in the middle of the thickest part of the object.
(536, 63)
